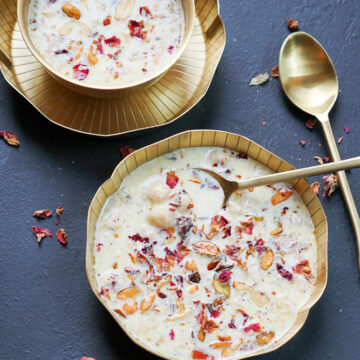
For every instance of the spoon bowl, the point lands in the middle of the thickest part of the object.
(307, 74)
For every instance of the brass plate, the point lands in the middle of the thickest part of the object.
(182, 87)
(237, 143)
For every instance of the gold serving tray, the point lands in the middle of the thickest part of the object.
(230, 141)
(181, 88)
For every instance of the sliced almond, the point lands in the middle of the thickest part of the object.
(128, 293)
(71, 11)
(257, 297)
(179, 315)
(206, 248)
(92, 57)
(68, 27)
(130, 308)
(148, 301)
(264, 338)
(281, 195)
(277, 231)
(237, 345)
(124, 9)
(191, 266)
(220, 345)
(220, 288)
(201, 335)
(267, 260)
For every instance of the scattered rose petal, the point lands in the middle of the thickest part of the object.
(259, 79)
(57, 222)
(87, 358)
(303, 142)
(139, 238)
(10, 138)
(326, 159)
(284, 273)
(42, 214)
(331, 185)
(145, 12)
(136, 29)
(126, 150)
(81, 72)
(171, 179)
(319, 159)
(275, 71)
(293, 24)
(62, 236)
(340, 139)
(346, 129)
(310, 124)
(59, 210)
(41, 233)
(263, 123)
(225, 276)
(113, 41)
(316, 187)
(254, 327)
(172, 334)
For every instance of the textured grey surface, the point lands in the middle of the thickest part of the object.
(47, 309)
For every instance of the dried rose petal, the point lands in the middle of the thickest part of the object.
(59, 210)
(171, 179)
(331, 185)
(293, 24)
(145, 12)
(183, 225)
(319, 159)
(139, 238)
(346, 129)
(41, 232)
(172, 334)
(303, 142)
(231, 324)
(225, 276)
(259, 79)
(171, 49)
(10, 138)
(254, 327)
(87, 358)
(136, 29)
(126, 150)
(275, 71)
(113, 41)
(62, 236)
(310, 124)
(81, 72)
(340, 139)
(284, 273)
(42, 214)
(316, 187)
(259, 246)
(303, 268)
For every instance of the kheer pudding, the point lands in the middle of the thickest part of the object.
(106, 42)
(192, 280)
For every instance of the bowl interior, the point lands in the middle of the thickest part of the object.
(189, 13)
(230, 141)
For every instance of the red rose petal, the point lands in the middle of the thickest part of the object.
(62, 236)
(10, 138)
(42, 214)
(41, 232)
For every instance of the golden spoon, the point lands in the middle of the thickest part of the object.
(309, 80)
(230, 186)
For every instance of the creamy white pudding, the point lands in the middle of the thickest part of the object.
(193, 280)
(106, 42)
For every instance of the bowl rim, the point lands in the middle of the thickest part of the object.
(51, 69)
(302, 313)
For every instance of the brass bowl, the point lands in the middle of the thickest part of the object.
(105, 91)
(231, 141)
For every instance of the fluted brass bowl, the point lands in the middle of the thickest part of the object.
(235, 142)
(105, 91)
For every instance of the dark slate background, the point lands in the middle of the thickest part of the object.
(47, 309)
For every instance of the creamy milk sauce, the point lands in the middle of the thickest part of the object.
(193, 280)
(108, 41)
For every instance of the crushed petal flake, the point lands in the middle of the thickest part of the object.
(62, 236)
(331, 185)
(259, 79)
(126, 150)
(87, 358)
(10, 138)
(41, 233)
(346, 129)
(42, 214)
(316, 187)
(310, 124)
(293, 24)
(340, 139)
(303, 142)
(275, 71)
(59, 210)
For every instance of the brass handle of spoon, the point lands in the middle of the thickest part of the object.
(344, 184)
(300, 173)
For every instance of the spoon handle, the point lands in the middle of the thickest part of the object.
(300, 173)
(344, 184)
